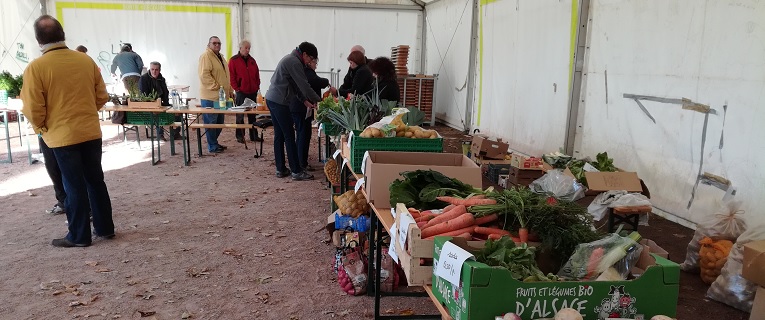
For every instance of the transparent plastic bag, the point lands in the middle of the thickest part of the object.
(730, 287)
(248, 103)
(592, 259)
(558, 185)
(726, 224)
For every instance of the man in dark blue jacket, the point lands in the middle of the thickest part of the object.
(153, 82)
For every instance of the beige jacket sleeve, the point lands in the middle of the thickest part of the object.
(205, 73)
(34, 101)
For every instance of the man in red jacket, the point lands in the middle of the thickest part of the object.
(245, 80)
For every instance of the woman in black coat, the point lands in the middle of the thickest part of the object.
(362, 81)
(385, 74)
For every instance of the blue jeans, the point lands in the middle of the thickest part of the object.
(284, 136)
(303, 140)
(212, 118)
(86, 191)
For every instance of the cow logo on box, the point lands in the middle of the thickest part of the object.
(618, 304)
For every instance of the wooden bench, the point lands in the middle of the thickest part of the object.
(627, 215)
(200, 126)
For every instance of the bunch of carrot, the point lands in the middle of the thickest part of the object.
(456, 221)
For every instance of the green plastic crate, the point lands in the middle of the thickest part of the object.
(360, 145)
(331, 129)
(144, 118)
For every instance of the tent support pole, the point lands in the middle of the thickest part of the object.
(472, 72)
(575, 91)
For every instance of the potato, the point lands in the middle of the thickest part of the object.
(409, 135)
(401, 133)
(375, 132)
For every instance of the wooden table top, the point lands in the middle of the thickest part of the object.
(196, 109)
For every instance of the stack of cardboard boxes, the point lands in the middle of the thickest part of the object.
(754, 270)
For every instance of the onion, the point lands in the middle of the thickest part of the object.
(661, 318)
(568, 314)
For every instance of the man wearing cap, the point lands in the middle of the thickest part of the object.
(130, 64)
(288, 82)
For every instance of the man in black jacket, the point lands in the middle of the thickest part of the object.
(153, 82)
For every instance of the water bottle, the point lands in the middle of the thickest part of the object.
(221, 98)
(175, 99)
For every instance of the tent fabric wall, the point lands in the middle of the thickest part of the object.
(448, 53)
(523, 73)
(708, 51)
(173, 33)
(17, 38)
(274, 31)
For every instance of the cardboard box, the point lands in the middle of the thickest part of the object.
(605, 181)
(483, 147)
(758, 308)
(383, 167)
(485, 292)
(653, 248)
(146, 105)
(754, 262)
(524, 177)
(525, 162)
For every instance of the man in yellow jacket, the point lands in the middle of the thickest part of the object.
(213, 74)
(62, 93)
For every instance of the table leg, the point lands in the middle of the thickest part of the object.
(185, 137)
(199, 141)
(7, 138)
(155, 123)
(371, 235)
(151, 138)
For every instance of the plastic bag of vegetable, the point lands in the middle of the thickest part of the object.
(726, 224)
(713, 255)
(614, 253)
(556, 184)
(730, 287)
(352, 273)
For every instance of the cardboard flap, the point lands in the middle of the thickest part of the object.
(754, 262)
(605, 181)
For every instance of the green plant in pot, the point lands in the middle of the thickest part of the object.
(10, 84)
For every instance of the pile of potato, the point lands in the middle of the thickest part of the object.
(397, 128)
(332, 171)
(352, 204)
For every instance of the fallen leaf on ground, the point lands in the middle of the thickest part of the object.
(194, 273)
(58, 292)
(406, 312)
(145, 314)
(104, 270)
(389, 311)
(94, 298)
(265, 279)
(168, 281)
(233, 253)
(263, 297)
(267, 234)
(91, 263)
(75, 303)
(154, 239)
(186, 315)
(31, 194)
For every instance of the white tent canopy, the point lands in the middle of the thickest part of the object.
(509, 68)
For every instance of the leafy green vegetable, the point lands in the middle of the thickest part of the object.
(519, 260)
(420, 188)
(414, 117)
(604, 163)
(353, 115)
(323, 109)
(11, 84)
(560, 226)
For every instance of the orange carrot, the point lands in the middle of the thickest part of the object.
(523, 233)
(465, 235)
(463, 221)
(478, 196)
(592, 263)
(414, 212)
(489, 231)
(447, 208)
(451, 233)
(466, 202)
(421, 224)
(425, 217)
(486, 219)
(451, 214)
(495, 236)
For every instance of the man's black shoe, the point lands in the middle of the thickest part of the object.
(64, 243)
(282, 174)
(240, 139)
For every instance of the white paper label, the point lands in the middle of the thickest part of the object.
(359, 184)
(334, 155)
(321, 125)
(345, 161)
(364, 162)
(392, 246)
(350, 137)
(405, 220)
(450, 263)
(589, 168)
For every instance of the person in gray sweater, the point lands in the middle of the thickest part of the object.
(288, 82)
(131, 66)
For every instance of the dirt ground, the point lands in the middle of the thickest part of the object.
(220, 239)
